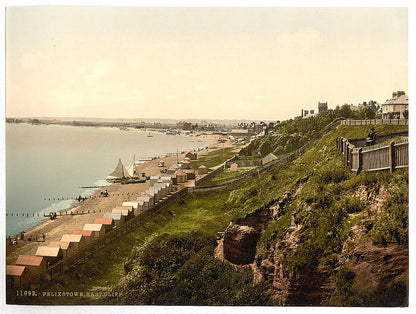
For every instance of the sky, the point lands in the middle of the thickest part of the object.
(200, 63)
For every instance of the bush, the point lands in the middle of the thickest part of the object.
(353, 204)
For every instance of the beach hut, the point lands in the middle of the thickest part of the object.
(51, 254)
(124, 212)
(97, 229)
(234, 167)
(130, 208)
(190, 174)
(17, 277)
(133, 206)
(192, 156)
(118, 218)
(77, 240)
(173, 168)
(120, 171)
(144, 202)
(181, 176)
(166, 179)
(163, 191)
(268, 158)
(86, 235)
(156, 193)
(187, 165)
(153, 180)
(151, 196)
(35, 264)
(108, 223)
(202, 170)
(66, 247)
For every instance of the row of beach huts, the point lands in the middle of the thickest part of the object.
(29, 269)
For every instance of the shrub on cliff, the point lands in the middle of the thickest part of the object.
(181, 270)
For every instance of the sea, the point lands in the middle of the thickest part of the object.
(48, 166)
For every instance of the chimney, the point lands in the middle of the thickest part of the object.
(302, 113)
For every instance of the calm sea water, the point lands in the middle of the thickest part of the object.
(47, 162)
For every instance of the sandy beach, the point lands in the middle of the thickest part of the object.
(95, 206)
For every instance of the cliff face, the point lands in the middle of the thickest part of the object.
(371, 266)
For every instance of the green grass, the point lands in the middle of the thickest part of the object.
(214, 158)
(227, 175)
(326, 223)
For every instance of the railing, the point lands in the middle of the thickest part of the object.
(388, 156)
(376, 121)
(280, 161)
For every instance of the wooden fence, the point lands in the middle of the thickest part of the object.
(388, 156)
(375, 122)
(280, 161)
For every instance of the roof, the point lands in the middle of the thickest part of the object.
(154, 178)
(64, 245)
(129, 207)
(398, 100)
(93, 227)
(49, 251)
(115, 216)
(104, 221)
(29, 260)
(14, 270)
(143, 198)
(85, 233)
(202, 167)
(124, 212)
(72, 238)
(180, 172)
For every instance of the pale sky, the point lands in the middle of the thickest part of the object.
(207, 63)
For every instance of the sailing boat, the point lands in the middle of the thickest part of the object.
(149, 135)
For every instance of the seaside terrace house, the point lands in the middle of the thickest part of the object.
(86, 234)
(17, 277)
(97, 229)
(51, 254)
(395, 107)
(118, 218)
(108, 223)
(66, 247)
(77, 240)
(124, 212)
(35, 264)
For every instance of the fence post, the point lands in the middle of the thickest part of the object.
(392, 156)
(360, 160)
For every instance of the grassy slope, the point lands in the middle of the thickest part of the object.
(210, 212)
